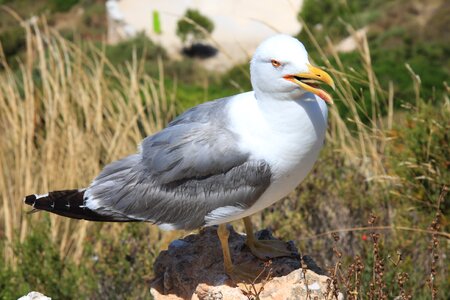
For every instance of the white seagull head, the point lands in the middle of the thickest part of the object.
(280, 67)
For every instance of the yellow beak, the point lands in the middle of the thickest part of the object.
(309, 81)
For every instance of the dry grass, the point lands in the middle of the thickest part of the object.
(63, 115)
(350, 277)
(365, 145)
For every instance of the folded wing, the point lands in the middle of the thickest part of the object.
(190, 172)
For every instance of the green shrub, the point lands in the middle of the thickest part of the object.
(140, 45)
(62, 5)
(123, 269)
(41, 268)
(94, 17)
(186, 30)
(13, 40)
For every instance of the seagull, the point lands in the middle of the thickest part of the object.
(219, 161)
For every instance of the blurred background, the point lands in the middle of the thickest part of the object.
(82, 82)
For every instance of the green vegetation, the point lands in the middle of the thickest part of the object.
(387, 156)
(194, 26)
(41, 267)
(89, 25)
(331, 17)
(62, 5)
(13, 40)
(399, 32)
(38, 251)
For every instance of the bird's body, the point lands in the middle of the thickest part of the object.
(219, 161)
(287, 136)
(283, 139)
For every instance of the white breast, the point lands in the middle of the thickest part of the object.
(286, 134)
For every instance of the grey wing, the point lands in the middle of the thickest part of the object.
(183, 174)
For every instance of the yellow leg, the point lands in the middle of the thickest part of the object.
(265, 249)
(249, 230)
(240, 273)
(223, 234)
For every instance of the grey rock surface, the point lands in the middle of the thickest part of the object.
(192, 268)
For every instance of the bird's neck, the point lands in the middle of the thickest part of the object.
(289, 113)
(292, 95)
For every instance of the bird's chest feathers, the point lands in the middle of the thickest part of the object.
(286, 134)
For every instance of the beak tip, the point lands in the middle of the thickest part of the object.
(333, 86)
(329, 100)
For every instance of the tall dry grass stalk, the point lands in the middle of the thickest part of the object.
(64, 114)
(364, 145)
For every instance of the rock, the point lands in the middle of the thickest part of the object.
(192, 268)
(34, 296)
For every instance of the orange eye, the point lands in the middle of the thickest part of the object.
(275, 63)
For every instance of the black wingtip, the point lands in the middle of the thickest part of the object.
(30, 200)
(68, 203)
